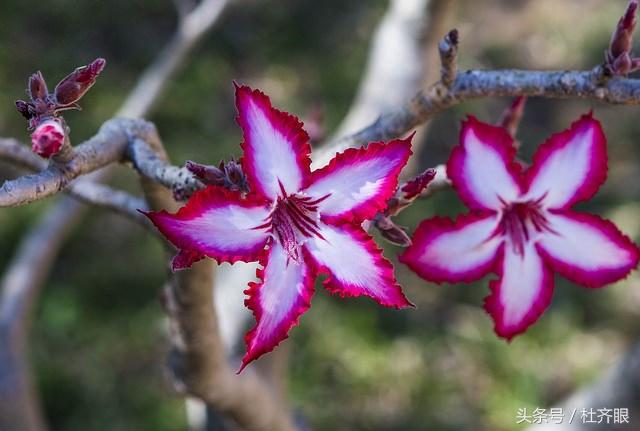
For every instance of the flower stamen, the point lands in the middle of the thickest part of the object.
(520, 221)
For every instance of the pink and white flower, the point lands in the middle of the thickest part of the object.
(298, 224)
(522, 226)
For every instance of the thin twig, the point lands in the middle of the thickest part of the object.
(448, 48)
(19, 289)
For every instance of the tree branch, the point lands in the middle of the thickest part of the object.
(85, 191)
(396, 41)
(20, 287)
(469, 85)
(476, 84)
(151, 165)
(106, 147)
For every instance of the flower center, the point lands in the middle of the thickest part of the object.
(293, 219)
(520, 221)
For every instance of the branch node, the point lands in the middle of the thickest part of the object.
(448, 49)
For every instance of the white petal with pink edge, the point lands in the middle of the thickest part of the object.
(522, 292)
(216, 223)
(277, 302)
(570, 166)
(481, 168)
(358, 182)
(587, 249)
(276, 148)
(354, 264)
(448, 251)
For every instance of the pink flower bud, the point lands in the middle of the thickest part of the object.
(413, 188)
(48, 138)
(618, 55)
(209, 175)
(622, 35)
(228, 175)
(236, 179)
(391, 231)
(78, 82)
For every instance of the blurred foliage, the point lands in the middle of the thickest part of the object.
(99, 342)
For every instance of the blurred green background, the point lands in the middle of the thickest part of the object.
(99, 344)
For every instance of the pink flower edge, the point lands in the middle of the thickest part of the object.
(599, 277)
(597, 172)
(288, 125)
(202, 200)
(495, 309)
(395, 299)
(428, 231)
(495, 137)
(281, 333)
(397, 152)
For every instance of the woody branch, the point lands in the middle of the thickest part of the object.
(468, 85)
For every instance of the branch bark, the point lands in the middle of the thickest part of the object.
(476, 84)
(469, 85)
(106, 147)
(198, 359)
(89, 192)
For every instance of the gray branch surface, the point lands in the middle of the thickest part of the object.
(85, 191)
(95, 153)
(477, 84)
(106, 147)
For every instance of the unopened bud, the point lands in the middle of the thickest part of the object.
(391, 231)
(621, 39)
(24, 109)
(37, 87)
(209, 175)
(622, 64)
(48, 138)
(413, 188)
(618, 55)
(228, 175)
(78, 82)
(510, 119)
(236, 180)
